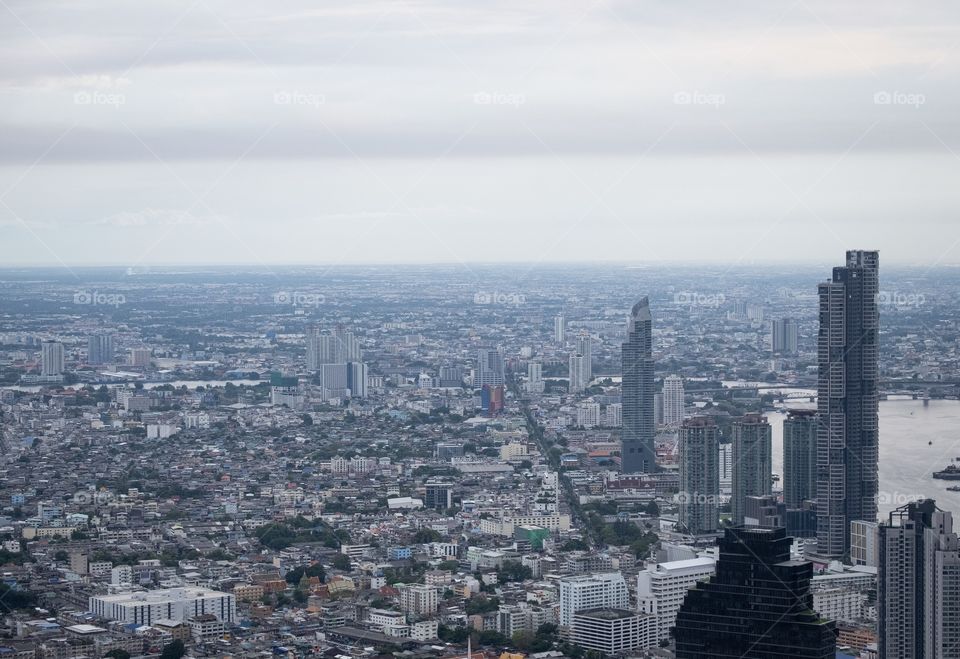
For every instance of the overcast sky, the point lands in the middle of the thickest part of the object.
(228, 131)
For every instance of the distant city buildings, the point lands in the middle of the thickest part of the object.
(638, 454)
(181, 604)
(847, 399)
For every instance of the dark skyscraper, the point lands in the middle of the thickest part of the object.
(699, 476)
(637, 451)
(847, 437)
(758, 606)
(799, 458)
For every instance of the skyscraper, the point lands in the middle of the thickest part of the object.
(51, 358)
(847, 437)
(752, 462)
(757, 606)
(535, 378)
(100, 349)
(585, 348)
(489, 368)
(673, 403)
(577, 373)
(799, 457)
(560, 329)
(783, 336)
(357, 379)
(638, 454)
(918, 584)
(699, 475)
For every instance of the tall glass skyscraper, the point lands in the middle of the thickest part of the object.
(758, 605)
(847, 438)
(638, 454)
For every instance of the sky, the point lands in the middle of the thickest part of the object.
(425, 131)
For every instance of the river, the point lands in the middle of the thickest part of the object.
(907, 459)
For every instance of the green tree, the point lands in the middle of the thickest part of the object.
(173, 650)
(341, 562)
(117, 653)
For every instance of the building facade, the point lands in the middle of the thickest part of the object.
(757, 606)
(847, 398)
(752, 462)
(699, 476)
(638, 453)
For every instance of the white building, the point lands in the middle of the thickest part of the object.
(181, 604)
(661, 588)
(560, 329)
(673, 403)
(588, 415)
(418, 599)
(613, 417)
(592, 591)
(577, 373)
(534, 383)
(863, 543)
(612, 631)
(726, 468)
(51, 358)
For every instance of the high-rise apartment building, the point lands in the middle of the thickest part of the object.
(699, 476)
(489, 369)
(918, 584)
(534, 384)
(577, 373)
(662, 587)
(799, 458)
(51, 358)
(606, 590)
(758, 605)
(585, 348)
(783, 336)
(100, 349)
(847, 435)
(560, 329)
(752, 462)
(673, 401)
(638, 453)
(357, 378)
